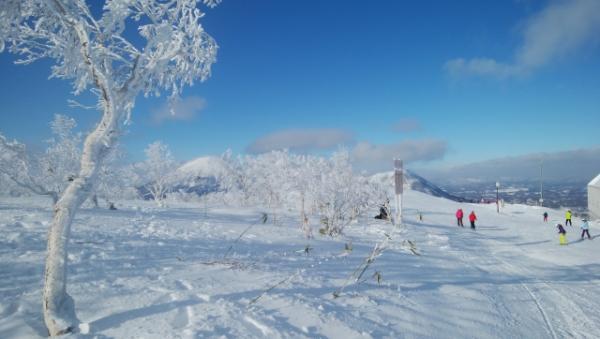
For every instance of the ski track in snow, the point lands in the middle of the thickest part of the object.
(542, 311)
(573, 320)
(570, 311)
(162, 273)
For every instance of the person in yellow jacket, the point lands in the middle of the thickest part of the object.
(562, 235)
(568, 215)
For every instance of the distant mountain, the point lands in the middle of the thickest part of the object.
(417, 183)
(209, 166)
(200, 175)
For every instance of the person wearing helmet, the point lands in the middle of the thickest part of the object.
(585, 229)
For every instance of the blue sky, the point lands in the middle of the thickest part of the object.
(438, 83)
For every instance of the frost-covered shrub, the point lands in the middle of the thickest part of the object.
(323, 190)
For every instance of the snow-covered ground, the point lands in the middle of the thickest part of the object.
(146, 272)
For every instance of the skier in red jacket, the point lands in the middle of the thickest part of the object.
(472, 218)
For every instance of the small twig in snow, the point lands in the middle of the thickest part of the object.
(360, 270)
(272, 287)
(263, 219)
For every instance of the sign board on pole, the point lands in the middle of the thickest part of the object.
(398, 176)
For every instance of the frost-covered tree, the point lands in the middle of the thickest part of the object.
(269, 173)
(114, 179)
(305, 175)
(236, 181)
(94, 50)
(60, 163)
(51, 172)
(339, 194)
(158, 170)
(315, 186)
(16, 165)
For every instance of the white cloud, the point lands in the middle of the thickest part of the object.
(301, 140)
(560, 29)
(480, 67)
(372, 157)
(406, 125)
(183, 110)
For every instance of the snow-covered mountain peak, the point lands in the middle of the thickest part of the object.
(415, 182)
(207, 166)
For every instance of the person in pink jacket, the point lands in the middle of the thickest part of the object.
(459, 217)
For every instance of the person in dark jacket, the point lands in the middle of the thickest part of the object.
(383, 211)
(472, 218)
(545, 216)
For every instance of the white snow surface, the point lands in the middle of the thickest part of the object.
(148, 272)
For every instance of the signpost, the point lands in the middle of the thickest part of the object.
(398, 181)
(542, 182)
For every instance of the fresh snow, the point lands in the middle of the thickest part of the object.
(149, 272)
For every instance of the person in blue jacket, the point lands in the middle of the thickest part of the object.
(585, 229)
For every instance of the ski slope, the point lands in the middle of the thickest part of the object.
(147, 272)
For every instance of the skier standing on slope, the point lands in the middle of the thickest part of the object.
(585, 229)
(562, 234)
(545, 216)
(459, 217)
(472, 218)
(568, 215)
